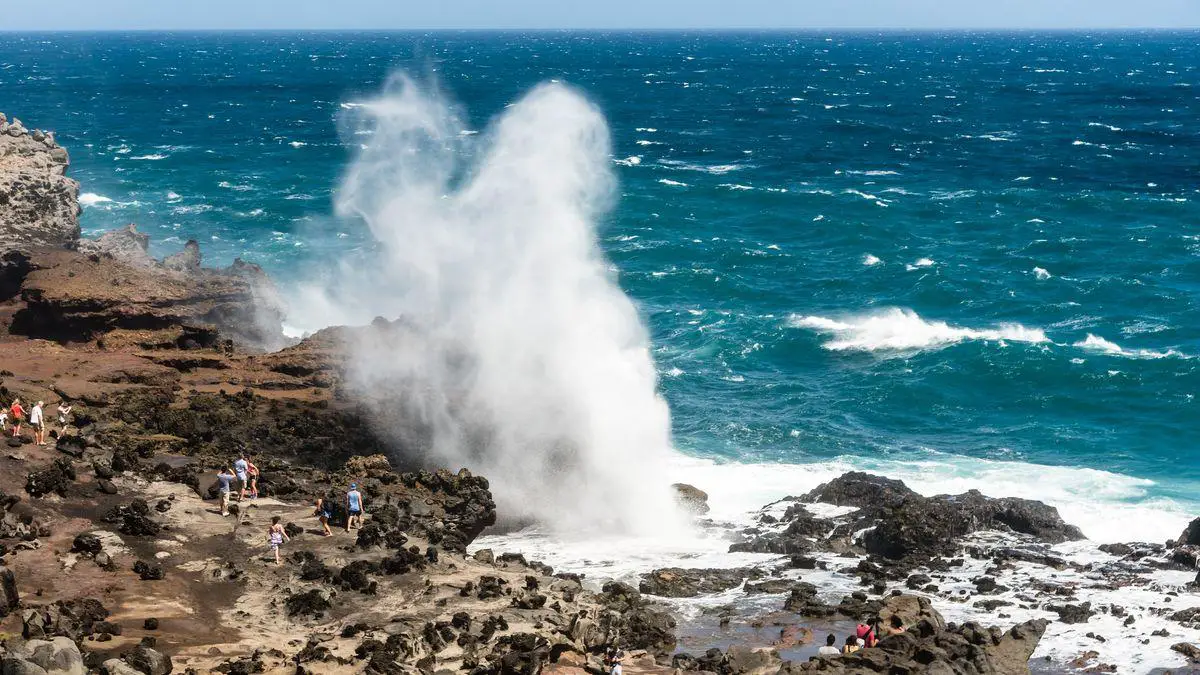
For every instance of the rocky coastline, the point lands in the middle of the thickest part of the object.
(114, 558)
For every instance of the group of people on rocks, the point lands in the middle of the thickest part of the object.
(36, 419)
(864, 637)
(243, 478)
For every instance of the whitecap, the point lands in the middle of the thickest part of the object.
(920, 263)
(297, 144)
(903, 330)
(668, 181)
(149, 158)
(1095, 343)
(92, 199)
(1041, 273)
(735, 186)
(870, 260)
(632, 160)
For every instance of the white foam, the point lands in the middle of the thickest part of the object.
(870, 260)
(920, 263)
(297, 144)
(903, 330)
(735, 186)
(150, 158)
(1041, 273)
(92, 199)
(632, 160)
(1095, 343)
(668, 181)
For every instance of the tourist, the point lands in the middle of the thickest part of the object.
(851, 645)
(38, 423)
(895, 625)
(252, 472)
(241, 467)
(322, 513)
(830, 648)
(18, 415)
(64, 409)
(3, 419)
(224, 487)
(613, 661)
(276, 536)
(866, 634)
(354, 507)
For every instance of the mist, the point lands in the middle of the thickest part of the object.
(515, 353)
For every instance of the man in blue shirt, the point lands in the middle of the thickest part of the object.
(354, 506)
(242, 468)
(224, 487)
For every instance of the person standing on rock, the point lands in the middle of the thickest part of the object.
(252, 472)
(3, 419)
(322, 513)
(830, 648)
(241, 467)
(276, 535)
(867, 634)
(64, 409)
(38, 422)
(18, 415)
(354, 507)
(224, 487)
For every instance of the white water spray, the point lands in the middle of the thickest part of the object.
(521, 358)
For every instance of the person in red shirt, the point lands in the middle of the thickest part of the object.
(18, 415)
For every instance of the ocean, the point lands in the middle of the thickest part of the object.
(967, 260)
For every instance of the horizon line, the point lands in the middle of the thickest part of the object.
(627, 29)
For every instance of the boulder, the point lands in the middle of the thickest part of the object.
(117, 667)
(911, 610)
(691, 498)
(1191, 651)
(149, 661)
(675, 582)
(15, 665)
(57, 656)
(87, 544)
(124, 244)
(1190, 535)
(9, 597)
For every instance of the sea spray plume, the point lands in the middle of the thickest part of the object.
(518, 355)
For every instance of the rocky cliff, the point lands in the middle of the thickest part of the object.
(39, 204)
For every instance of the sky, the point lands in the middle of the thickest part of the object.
(581, 14)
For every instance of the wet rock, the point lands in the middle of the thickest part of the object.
(691, 498)
(676, 582)
(485, 556)
(1068, 613)
(1190, 535)
(770, 586)
(150, 624)
(1191, 651)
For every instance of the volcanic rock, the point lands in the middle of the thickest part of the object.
(676, 582)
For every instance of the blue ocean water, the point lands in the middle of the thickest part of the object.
(893, 249)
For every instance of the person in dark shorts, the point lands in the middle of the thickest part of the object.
(354, 507)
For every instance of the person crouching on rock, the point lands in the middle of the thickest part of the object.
(18, 416)
(895, 625)
(866, 634)
(276, 536)
(322, 513)
(354, 507)
(851, 645)
(830, 648)
(38, 422)
(224, 488)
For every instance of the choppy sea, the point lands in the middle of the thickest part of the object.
(967, 260)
